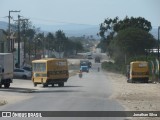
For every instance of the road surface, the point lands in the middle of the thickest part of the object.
(89, 93)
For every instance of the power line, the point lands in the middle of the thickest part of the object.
(4, 17)
(57, 21)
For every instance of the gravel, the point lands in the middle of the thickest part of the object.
(135, 96)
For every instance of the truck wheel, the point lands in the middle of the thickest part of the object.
(146, 81)
(0, 85)
(52, 85)
(45, 85)
(35, 84)
(61, 84)
(7, 85)
(132, 81)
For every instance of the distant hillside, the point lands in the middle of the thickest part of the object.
(154, 32)
(76, 30)
(73, 29)
(3, 25)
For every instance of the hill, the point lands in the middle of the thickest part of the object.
(71, 29)
(3, 25)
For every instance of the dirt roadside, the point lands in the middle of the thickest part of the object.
(135, 96)
(18, 91)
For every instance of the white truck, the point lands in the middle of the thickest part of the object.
(6, 69)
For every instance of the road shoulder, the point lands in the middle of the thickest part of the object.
(135, 96)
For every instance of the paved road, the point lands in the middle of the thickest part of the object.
(89, 93)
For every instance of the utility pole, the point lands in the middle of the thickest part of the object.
(158, 41)
(19, 39)
(9, 31)
(158, 53)
(24, 28)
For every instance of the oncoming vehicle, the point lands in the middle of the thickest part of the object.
(138, 71)
(50, 71)
(97, 59)
(85, 63)
(89, 57)
(84, 69)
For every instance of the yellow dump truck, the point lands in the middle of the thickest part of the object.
(50, 71)
(138, 71)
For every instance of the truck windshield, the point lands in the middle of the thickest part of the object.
(39, 67)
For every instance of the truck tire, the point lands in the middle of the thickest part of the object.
(61, 84)
(7, 85)
(45, 85)
(146, 81)
(52, 85)
(132, 81)
(35, 84)
(0, 85)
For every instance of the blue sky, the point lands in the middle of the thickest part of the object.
(81, 11)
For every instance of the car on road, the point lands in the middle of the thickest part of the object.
(97, 59)
(27, 68)
(89, 57)
(21, 73)
(84, 69)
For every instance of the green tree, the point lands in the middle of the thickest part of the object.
(110, 27)
(50, 41)
(78, 46)
(30, 33)
(60, 41)
(131, 42)
(107, 32)
(139, 22)
(38, 42)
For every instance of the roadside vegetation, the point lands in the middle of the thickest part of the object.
(38, 43)
(125, 41)
(50, 42)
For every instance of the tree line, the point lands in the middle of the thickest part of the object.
(126, 38)
(36, 42)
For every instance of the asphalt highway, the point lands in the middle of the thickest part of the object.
(89, 93)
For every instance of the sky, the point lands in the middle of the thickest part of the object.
(92, 12)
